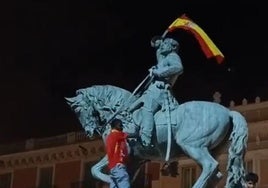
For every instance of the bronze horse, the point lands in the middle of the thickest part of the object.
(196, 128)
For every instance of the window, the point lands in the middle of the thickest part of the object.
(249, 166)
(45, 177)
(5, 180)
(188, 176)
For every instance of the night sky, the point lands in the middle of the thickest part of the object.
(51, 49)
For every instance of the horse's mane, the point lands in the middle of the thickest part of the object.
(106, 95)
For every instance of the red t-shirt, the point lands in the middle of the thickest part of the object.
(116, 148)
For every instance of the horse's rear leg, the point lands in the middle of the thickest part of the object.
(208, 164)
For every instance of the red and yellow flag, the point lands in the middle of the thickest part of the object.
(207, 45)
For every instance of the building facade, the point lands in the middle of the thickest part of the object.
(64, 161)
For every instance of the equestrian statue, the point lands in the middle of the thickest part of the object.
(160, 128)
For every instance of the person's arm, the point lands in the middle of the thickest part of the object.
(110, 145)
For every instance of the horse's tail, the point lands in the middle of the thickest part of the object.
(237, 149)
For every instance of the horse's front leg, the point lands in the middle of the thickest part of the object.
(96, 170)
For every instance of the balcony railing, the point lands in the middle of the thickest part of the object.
(33, 144)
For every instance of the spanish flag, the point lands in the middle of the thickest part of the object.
(209, 48)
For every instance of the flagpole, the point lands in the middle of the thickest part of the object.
(165, 33)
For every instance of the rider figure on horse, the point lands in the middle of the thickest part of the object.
(163, 76)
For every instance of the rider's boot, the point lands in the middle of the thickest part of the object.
(147, 126)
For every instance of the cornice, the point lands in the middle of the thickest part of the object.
(88, 151)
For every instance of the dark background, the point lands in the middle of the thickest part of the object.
(51, 49)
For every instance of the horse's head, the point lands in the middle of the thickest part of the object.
(86, 109)
(95, 106)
